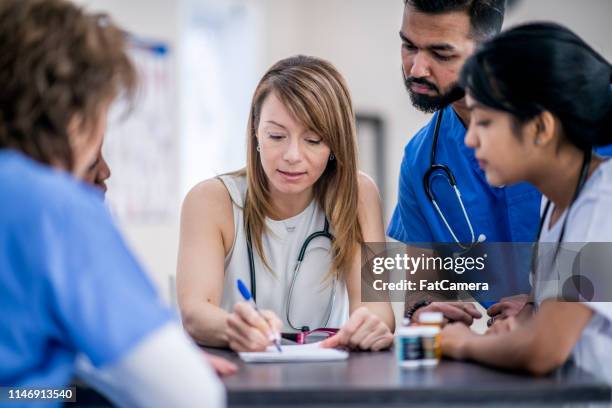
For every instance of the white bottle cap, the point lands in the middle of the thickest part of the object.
(409, 331)
(429, 330)
(431, 318)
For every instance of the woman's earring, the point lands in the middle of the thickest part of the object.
(258, 148)
(332, 157)
(537, 141)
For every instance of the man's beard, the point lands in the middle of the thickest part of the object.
(432, 103)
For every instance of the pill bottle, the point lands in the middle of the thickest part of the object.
(408, 346)
(430, 344)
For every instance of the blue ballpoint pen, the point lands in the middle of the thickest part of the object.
(246, 294)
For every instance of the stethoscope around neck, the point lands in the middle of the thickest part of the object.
(438, 170)
(582, 178)
(296, 270)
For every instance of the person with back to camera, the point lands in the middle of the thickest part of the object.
(97, 174)
(69, 286)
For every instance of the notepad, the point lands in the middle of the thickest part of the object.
(294, 353)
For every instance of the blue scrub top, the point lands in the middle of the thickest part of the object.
(604, 151)
(508, 214)
(68, 283)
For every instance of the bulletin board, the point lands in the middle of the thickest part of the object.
(141, 142)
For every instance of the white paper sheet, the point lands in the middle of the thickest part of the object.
(294, 353)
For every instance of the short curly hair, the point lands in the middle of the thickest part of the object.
(56, 61)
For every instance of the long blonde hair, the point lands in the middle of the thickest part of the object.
(316, 95)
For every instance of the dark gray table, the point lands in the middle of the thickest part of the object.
(374, 379)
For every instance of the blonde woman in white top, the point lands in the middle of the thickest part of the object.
(301, 177)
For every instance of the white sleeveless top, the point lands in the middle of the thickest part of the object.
(282, 242)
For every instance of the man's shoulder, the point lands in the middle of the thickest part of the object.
(420, 136)
(450, 127)
(418, 145)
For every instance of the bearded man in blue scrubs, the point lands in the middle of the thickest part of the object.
(437, 37)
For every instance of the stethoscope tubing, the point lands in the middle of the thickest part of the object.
(584, 173)
(435, 168)
(324, 234)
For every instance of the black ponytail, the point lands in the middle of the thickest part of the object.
(541, 67)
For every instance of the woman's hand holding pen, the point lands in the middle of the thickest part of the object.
(364, 330)
(248, 330)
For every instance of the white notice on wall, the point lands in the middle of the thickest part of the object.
(140, 145)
